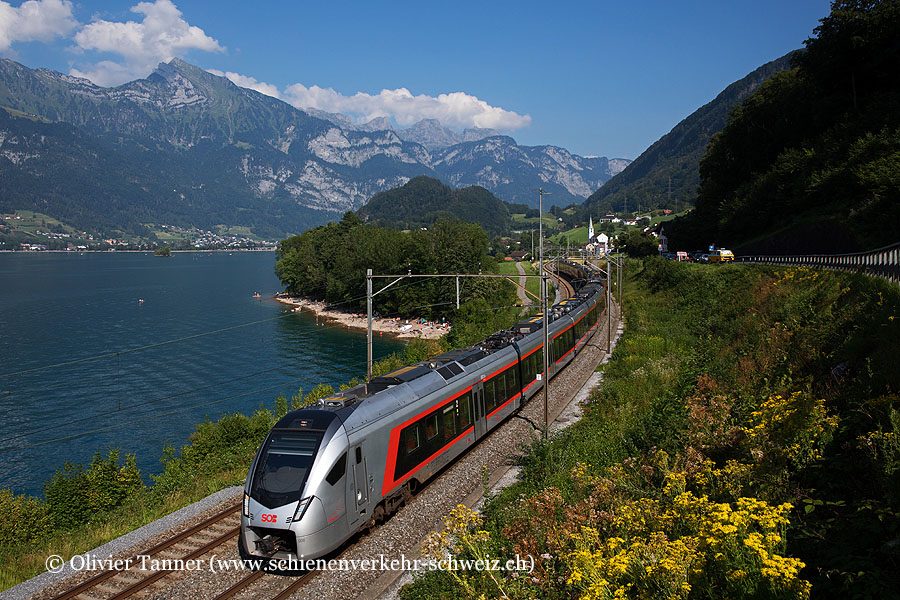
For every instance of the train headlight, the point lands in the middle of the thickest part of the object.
(301, 508)
(245, 505)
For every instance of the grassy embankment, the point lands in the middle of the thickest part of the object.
(744, 444)
(532, 285)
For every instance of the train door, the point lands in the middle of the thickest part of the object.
(360, 485)
(480, 416)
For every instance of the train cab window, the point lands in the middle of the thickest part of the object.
(358, 455)
(449, 422)
(282, 469)
(431, 426)
(338, 470)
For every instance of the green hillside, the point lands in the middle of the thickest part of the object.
(676, 156)
(424, 200)
(811, 161)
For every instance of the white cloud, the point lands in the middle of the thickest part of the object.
(161, 35)
(456, 109)
(249, 82)
(35, 21)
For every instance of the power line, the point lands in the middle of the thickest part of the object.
(139, 404)
(141, 348)
(173, 412)
(207, 309)
(183, 393)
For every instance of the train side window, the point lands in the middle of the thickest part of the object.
(501, 388)
(358, 455)
(449, 422)
(465, 411)
(490, 400)
(410, 438)
(338, 470)
(512, 385)
(431, 426)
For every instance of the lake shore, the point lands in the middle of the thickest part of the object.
(400, 328)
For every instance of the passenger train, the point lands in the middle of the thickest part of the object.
(326, 471)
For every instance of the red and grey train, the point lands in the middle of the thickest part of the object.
(326, 471)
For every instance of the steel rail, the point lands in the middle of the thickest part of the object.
(140, 585)
(103, 576)
(296, 585)
(240, 585)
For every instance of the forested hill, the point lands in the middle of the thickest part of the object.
(811, 161)
(676, 156)
(424, 200)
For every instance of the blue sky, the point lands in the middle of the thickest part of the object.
(598, 78)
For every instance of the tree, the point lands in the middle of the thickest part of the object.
(636, 244)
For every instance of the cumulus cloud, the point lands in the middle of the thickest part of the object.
(456, 109)
(160, 36)
(249, 82)
(35, 21)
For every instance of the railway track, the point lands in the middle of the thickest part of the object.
(122, 583)
(565, 288)
(244, 583)
(168, 558)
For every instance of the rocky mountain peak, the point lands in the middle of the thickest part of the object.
(377, 124)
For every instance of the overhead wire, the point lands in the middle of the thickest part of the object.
(164, 343)
(155, 416)
(182, 393)
(139, 404)
(207, 309)
(359, 364)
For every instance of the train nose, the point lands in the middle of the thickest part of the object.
(279, 517)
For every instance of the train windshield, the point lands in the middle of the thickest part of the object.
(283, 467)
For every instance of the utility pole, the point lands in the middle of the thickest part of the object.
(670, 191)
(620, 273)
(546, 313)
(608, 303)
(369, 325)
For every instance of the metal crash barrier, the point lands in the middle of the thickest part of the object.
(883, 262)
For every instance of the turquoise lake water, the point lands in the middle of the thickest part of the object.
(86, 366)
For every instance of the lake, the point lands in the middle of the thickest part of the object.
(131, 351)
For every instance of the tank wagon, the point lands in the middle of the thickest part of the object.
(327, 471)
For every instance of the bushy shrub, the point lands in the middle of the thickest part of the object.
(75, 494)
(27, 520)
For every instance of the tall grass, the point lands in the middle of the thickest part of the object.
(759, 395)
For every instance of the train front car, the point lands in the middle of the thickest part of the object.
(296, 493)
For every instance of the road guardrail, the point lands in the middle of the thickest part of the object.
(883, 262)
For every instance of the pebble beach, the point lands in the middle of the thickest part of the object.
(401, 328)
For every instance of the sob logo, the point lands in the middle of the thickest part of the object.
(268, 518)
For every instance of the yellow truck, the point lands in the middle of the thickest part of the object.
(721, 255)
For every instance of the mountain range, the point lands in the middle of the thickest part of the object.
(184, 146)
